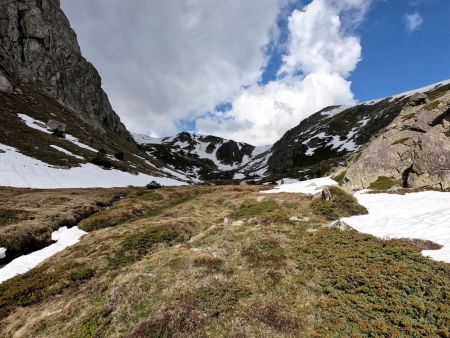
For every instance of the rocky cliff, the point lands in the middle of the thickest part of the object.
(39, 49)
(413, 151)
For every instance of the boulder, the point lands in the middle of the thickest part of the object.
(5, 85)
(153, 185)
(54, 125)
(418, 99)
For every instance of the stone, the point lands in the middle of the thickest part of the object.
(153, 185)
(5, 85)
(54, 125)
(326, 194)
(418, 99)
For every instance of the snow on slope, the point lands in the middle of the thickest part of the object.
(64, 238)
(422, 215)
(18, 170)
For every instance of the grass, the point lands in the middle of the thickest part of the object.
(135, 247)
(408, 117)
(341, 204)
(183, 273)
(436, 94)
(252, 208)
(383, 183)
(401, 141)
(11, 216)
(432, 105)
(149, 196)
(340, 178)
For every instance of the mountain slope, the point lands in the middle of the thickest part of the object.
(202, 157)
(327, 139)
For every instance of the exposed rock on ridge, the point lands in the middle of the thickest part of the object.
(39, 49)
(413, 151)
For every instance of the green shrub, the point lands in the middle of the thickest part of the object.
(151, 196)
(135, 247)
(383, 183)
(253, 208)
(340, 178)
(340, 205)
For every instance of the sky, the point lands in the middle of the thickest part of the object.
(250, 70)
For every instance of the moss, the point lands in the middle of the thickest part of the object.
(253, 208)
(408, 117)
(340, 178)
(11, 216)
(151, 196)
(447, 133)
(340, 205)
(383, 183)
(401, 141)
(432, 105)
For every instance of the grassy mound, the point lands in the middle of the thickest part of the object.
(341, 204)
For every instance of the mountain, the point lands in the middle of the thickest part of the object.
(202, 157)
(39, 50)
(331, 137)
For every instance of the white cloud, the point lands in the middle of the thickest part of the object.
(321, 54)
(162, 61)
(413, 21)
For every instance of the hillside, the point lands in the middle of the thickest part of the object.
(216, 261)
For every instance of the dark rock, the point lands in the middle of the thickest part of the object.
(153, 185)
(39, 49)
(418, 99)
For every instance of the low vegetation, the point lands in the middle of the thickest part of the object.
(400, 141)
(184, 272)
(432, 105)
(408, 117)
(341, 204)
(383, 183)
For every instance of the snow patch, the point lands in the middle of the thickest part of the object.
(2, 253)
(33, 123)
(18, 170)
(64, 238)
(422, 215)
(65, 151)
(77, 142)
(313, 186)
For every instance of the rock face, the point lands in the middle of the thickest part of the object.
(39, 49)
(413, 150)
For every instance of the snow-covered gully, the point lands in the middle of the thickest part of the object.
(421, 215)
(64, 238)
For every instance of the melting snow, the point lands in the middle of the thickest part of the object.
(35, 124)
(77, 142)
(313, 186)
(18, 170)
(2, 252)
(66, 152)
(64, 238)
(422, 215)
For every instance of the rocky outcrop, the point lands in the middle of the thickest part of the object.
(413, 150)
(39, 49)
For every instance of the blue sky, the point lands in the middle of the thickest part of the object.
(250, 70)
(394, 59)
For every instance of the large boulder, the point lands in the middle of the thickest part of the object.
(5, 85)
(413, 151)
